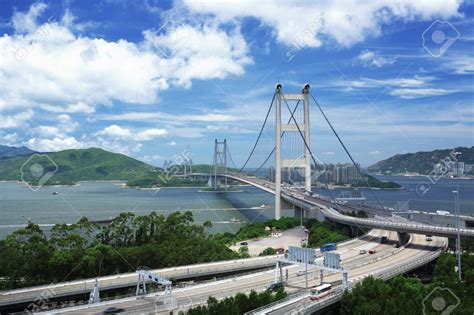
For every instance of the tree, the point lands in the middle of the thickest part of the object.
(268, 251)
(244, 252)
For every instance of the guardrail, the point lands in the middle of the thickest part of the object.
(310, 307)
(384, 275)
(333, 214)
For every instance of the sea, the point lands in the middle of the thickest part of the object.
(228, 211)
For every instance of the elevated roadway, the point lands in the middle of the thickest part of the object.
(85, 286)
(386, 258)
(325, 209)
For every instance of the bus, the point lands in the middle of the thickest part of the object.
(320, 291)
(328, 247)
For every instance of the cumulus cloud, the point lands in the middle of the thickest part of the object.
(345, 22)
(118, 132)
(19, 120)
(55, 144)
(417, 93)
(78, 73)
(373, 59)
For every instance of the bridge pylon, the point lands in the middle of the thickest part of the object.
(220, 160)
(303, 129)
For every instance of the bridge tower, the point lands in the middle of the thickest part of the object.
(305, 160)
(220, 159)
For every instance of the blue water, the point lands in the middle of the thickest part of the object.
(101, 201)
(437, 196)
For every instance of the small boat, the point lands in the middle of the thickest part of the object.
(264, 206)
(234, 220)
(55, 193)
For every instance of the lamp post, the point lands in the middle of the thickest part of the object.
(456, 209)
(458, 238)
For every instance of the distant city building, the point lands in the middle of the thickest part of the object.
(455, 168)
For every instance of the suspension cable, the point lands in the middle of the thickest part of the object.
(347, 152)
(260, 134)
(273, 150)
(309, 150)
(230, 157)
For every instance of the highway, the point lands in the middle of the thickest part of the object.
(386, 257)
(326, 209)
(26, 295)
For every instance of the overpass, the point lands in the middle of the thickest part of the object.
(324, 209)
(78, 287)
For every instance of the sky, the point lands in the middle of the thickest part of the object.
(153, 79)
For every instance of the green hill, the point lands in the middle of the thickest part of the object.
(69, 166)
(421, 162)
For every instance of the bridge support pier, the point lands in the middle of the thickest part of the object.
(403, 238)
(298, 213)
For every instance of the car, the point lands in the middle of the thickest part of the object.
(429, 238)
(274, 286)
(362, 252)
(372, 251)
(113, 310)
(244, 243)
(280, 250)
(301, 273)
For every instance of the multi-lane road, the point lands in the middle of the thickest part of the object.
(387, 256)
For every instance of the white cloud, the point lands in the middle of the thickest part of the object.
(55, 144)
(19, 120)
(123, 133)
(460, 64)
(417, 93)
(78, 73)
(79, 107)
(9, 138)
(415, 81)
(26, 22)
(346, 22)
(373, 59)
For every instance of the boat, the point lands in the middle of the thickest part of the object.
(55, 193)
(264, 206)
(234, 220)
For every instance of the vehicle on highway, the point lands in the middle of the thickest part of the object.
(328, 247)
(372, 251)
(113, 310)
(301, 273)
(244, 243)
(274, 286)
(280, 250)
(429, 238)
(320, 291)
(362, 252)
(383, 240)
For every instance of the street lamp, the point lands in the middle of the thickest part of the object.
(458, 238)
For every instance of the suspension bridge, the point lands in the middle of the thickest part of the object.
(282, 163)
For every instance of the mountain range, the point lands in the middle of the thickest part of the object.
(422, 162)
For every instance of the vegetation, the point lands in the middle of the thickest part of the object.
(268, 252)
(321, 233)
(164, 180)
(7, 151)
(69, 166)
(257, 230)
(370, 181)
(403, 295)
(239, 304)
(83, 250)
(421, 162)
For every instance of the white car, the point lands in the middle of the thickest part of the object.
(362, 252)
(301, 273)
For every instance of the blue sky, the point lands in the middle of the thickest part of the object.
(153, 78)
